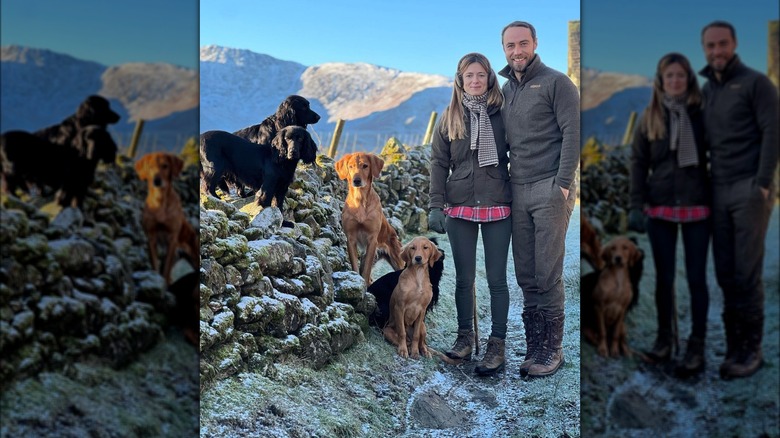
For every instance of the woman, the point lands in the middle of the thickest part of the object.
(470, 185)
(669, 186)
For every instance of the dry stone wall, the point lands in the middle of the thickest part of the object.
(269, 293)
(80, 285)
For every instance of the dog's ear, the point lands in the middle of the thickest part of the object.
(341, 166)
(605, 253)
(406, 254)
(142, 167)
(280, 144)
(285, 114)
(636, 256)
(309, 149)
(376, 165)
(435, 255)
(85, 112)
(177, 164)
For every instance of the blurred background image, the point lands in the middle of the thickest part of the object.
(96, 339)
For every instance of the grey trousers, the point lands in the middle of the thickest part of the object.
(463, 241)
(540, 219)
(740, 217)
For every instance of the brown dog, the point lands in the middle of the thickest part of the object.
(362, 218)
(590, 246)
(612, 296)
(163, 213)
(410, 299)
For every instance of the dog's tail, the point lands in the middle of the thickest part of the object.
(444, 357)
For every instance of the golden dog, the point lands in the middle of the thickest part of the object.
(163, 213)
(410, 299)
(612, 296)
(362, 218)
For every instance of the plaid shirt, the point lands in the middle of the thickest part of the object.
(479, 214)
(678, 214)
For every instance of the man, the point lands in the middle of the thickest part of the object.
(542, 120)
(740, 110)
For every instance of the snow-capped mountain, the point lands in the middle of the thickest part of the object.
(607, 102)
(39, 88)
(240, 88)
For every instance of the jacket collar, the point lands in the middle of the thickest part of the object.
(533, 67)
(734, 66)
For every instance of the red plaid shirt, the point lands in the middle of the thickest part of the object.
(479, 214)
(678, 214)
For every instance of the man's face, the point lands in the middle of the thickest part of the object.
(519, 48)
(719, 47)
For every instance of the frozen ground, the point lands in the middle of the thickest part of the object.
(370, 391)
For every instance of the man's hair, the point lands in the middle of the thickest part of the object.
(720, 23)
(525, 24)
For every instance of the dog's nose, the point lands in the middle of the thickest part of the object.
(418, 259)
(618, 260)
(357, 182)
(157, 181)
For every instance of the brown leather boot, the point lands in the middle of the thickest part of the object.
(533, 321)
(549, 357)
(464, 344)
(662, 348)
(749, 357)
(693, 362)
(493, 361)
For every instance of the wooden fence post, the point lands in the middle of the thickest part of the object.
(136, 136)
(629, 129)
(334, 142)
(429, 131)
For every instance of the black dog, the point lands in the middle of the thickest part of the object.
(383, 288)
(95, 110)
(293, 111)
(29, 159)
(267, 168)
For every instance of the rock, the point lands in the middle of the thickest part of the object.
(267, 221)
(274, 256)
(14, 225)
(69, 220)
(349, 287)
(315, 345)
(74, 255)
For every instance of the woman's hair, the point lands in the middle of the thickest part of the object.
(452, 121)
(653, 121)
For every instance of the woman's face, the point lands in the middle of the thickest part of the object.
(674, 80)
(475, 79)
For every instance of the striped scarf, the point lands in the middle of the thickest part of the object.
(681, 132)
(481, 130)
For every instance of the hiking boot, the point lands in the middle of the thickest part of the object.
(533, 322)
(693, 361)
(662, 349)
(493, 361)
(749, 357)
(549, 357)
(464, 344)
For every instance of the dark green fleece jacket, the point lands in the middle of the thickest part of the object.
(740, 114)
(542, 121)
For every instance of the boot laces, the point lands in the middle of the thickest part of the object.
(462, 341)
(492, 351)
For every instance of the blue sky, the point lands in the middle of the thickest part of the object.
(631, 36)
(408, 35)
(107, 32)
